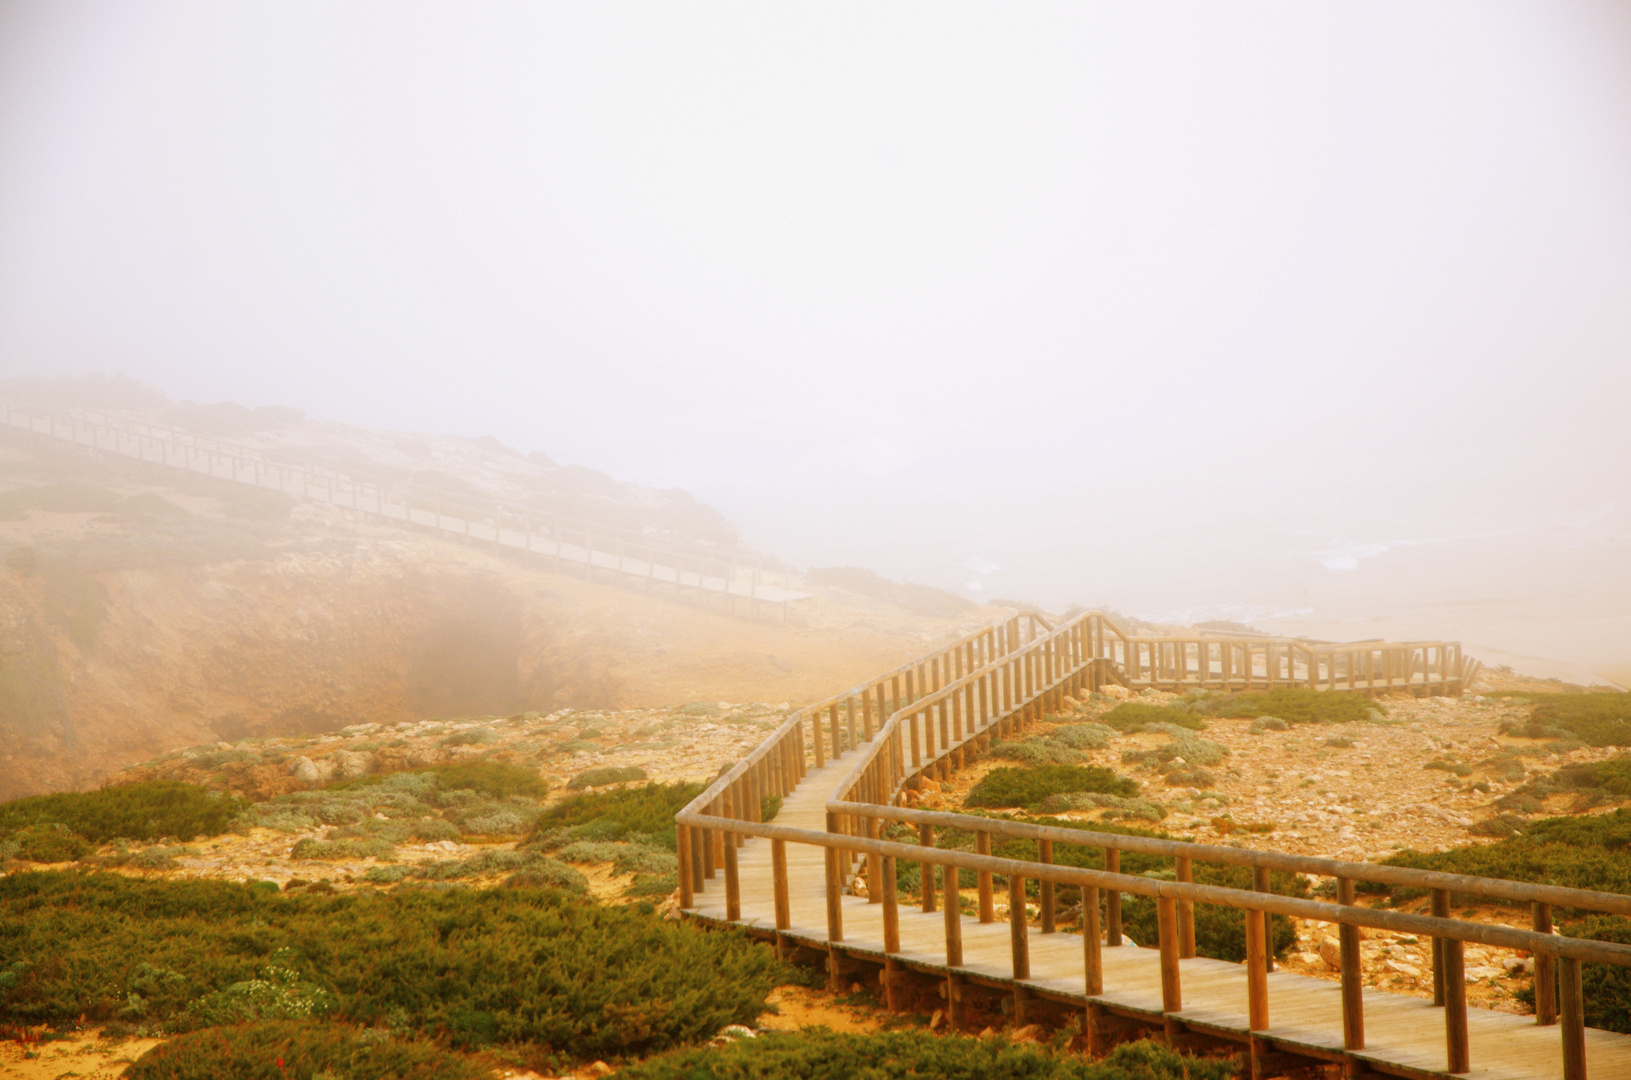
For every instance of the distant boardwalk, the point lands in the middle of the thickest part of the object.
(842, 767)
(570, 543)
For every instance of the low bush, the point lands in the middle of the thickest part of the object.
(1296, 705)
(1596, 719)
(532, 868)
(1220, 932)
(1038, 751)
(609, 774)
(1592, 852)
(1456, 767)
(494, 779)
(1267, 723)
(282, 1050)
(610, 815)
(1030, 785)
(1118, 806)
(1185, 749)
(44, 844)
(340, 849)
(1084, 736)
(539, 969)
(818, 1054)
(146, 810)
(1133, 716)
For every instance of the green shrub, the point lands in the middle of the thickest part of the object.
(1191, 777)
(818, 1054)
(1038, 751)
(1455, 767)
(1339, 742)
(609, 815)
(1596, 719)
(1592, 852)
(1267, 723)
(1220, 932)
(1084, 736)
(538, 968)
(1030, 785)
(494, 779)
(1132, 716)
(700, 708)
(340, 849)
(146, 810)
(1119, 806)
(44, 844)
(1296, 705)
(539, 869)
(1607, 987)
(280, 1050)
(769, 806)
(1184, 745)
(607, 774)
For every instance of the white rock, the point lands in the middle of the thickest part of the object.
(302, 768)
(1399, 967)
(1482, 972)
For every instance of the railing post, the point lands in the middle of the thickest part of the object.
(954, 917)
(1545, 968)
(1184, 869)
(1044, 851)
(682, 836)
(1260, 882)
(733, 886)
(1018, 941)
(988, 910)
(778, 883)
(1574, 1018)
(837, 733)
(1166, 914)
(1353, 994)
(874, 863)
(699, 844)
(1441, 910)
(1092, 957)
(1455, 1005)
(1257, 974)
(891, 908)
(835, 887)
(925, 840)
(1112, 900)
(815, 739)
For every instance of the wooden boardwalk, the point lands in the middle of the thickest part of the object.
(569, 543)
(1404, 1034)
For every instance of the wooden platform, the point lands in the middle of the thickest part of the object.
(1404, 1034)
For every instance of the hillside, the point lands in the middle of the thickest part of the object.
(144, 609)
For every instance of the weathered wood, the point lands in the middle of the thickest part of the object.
(1573, 1026)
(925, 840)
(1112, 899)
(1455, 1005)
(1045, 887)
(1545, 968)
(1092, 957)
(1257, 973)
(1441, 910)
(1166, 912)
(1353, 999)
(1019, 942)
(891, 909)
(1184, 871)
(682, 836)
(954, 916)
(778, 876)
(988, 910)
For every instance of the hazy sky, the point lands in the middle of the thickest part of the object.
(1084, 302)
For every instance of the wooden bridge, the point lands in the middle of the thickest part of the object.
(570, 543)
(843, 767)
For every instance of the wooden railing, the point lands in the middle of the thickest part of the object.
(995, 683)
(569, 541)
(1234, 662)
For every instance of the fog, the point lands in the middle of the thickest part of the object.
(1316, 317)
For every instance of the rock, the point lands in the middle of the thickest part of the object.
(1030, 1033)
(303, 769)
(737, 1031)
(925, 784)
(1331, 953)
(1399, 967)
(988, 1033)
(352, 763)
(1481, 973)
(1307, 957)
(937, 1019)
(600, 1068)
(1515, 967)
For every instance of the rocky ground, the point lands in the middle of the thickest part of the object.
(1294, 791)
